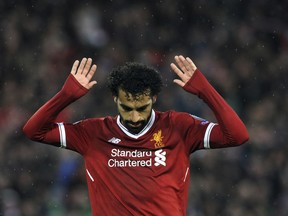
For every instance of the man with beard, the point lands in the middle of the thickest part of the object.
(137, 163)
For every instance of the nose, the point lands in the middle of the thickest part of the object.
(135, 116)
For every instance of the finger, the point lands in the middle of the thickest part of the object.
(87, 67)
(191, 64)
(177, 70)
(186, 64)
(74, 67)
(82, 64)
(92, 71)
(180, 60)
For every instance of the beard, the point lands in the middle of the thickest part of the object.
(135, 127)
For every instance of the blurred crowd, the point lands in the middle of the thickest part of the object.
(240, 46)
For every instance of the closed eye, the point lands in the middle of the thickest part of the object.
(126, 108)
(141, 109)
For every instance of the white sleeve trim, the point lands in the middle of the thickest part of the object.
(62, 133)
(207, 135)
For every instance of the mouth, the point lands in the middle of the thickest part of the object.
(135, 125)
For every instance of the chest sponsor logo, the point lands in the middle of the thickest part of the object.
(137, 158)
(160, 157)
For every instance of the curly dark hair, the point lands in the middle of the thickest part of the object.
(135, 78)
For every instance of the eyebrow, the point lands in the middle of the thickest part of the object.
(138, 108)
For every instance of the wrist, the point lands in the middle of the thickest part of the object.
(197, 83)
(72, 88)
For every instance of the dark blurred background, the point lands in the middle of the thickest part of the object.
(241, 47)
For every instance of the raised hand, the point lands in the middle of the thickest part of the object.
(84, 73)
(185, 69)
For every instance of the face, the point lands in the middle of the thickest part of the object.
(134, 113)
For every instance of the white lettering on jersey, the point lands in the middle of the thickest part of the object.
(126, 153)
(136, 158)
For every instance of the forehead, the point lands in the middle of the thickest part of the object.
(127, 99)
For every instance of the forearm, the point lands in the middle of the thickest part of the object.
(43, 121)
(231, 131)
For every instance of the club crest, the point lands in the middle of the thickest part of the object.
(158, 139)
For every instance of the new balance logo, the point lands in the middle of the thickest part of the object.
(160, 157)
(114, 140)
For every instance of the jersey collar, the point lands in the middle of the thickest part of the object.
(141, 133)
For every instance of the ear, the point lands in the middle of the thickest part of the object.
(154, 98)
(115, 99)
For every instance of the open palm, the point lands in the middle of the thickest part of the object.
(84, 73)
(185, 69)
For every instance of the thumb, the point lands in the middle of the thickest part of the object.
(179, 82)
(91, 84)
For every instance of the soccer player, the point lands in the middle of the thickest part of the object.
(137, 163)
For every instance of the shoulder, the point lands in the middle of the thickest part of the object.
(180, 120)
(174, 116)
(172, 113)
(92, 122)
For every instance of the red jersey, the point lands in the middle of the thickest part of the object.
(145, 173)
